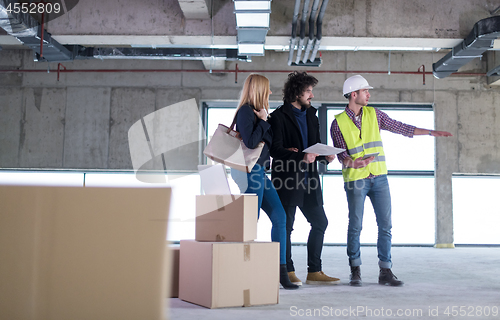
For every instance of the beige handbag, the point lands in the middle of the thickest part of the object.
(227, 147)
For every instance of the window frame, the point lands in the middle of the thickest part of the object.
(322, 112)
(325, 131)
(325, 126)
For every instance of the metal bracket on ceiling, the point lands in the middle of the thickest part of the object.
(315, 63)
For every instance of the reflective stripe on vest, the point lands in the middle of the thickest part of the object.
(357, 147)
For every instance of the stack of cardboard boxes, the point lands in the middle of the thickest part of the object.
(224, 266)
(83, 253)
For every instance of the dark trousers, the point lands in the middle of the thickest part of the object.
(315, 215)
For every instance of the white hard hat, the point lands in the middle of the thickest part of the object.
(355, 83)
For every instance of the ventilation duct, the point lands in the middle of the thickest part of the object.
(162, 54)
(50, 50)
(16, 24)
(252, 24)
(479, 40)
(27, 30)
(494, 72)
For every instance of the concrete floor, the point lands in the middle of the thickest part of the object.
(460, 283)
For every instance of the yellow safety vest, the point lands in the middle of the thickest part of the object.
(369, 142)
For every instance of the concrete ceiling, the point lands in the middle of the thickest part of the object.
(347, 24)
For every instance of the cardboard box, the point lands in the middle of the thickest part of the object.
(226, 217)
(83, 253)
(175, 252)
(229, 274)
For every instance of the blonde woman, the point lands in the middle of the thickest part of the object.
(251, 123)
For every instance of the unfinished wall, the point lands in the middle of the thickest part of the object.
(343, 18)
(82, 120)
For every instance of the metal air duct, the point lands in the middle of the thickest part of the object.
(163, 54)
(479, 40)
(28, 31)
(16, 24)
(52, 50)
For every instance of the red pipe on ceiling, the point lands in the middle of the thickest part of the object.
(236, 71)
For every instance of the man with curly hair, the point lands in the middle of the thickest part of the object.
(295, 175)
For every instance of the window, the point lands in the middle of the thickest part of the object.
(223, 112)
(414, 155)
(184, 189)
(412, 212)
(476, 215)
(411, 167)
(410, 163)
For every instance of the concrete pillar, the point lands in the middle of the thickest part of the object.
(447, 150)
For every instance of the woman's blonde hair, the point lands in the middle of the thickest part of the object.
(255, 92)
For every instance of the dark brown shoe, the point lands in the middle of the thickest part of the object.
(355, 277)
(293, 278)
(387, 278)
(321, 278)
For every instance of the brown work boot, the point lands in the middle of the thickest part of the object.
(320, 278)
(386, 277)
(355, 277)
(293, 278)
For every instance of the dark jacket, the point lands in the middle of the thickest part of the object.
(254, 130)
(287, 176)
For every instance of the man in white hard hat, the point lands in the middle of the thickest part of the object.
(357, 130)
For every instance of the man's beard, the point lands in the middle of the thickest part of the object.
(307, 105)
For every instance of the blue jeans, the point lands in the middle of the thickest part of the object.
(377, 189)
(257, 182)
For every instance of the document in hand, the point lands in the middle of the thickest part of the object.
(323, 149)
